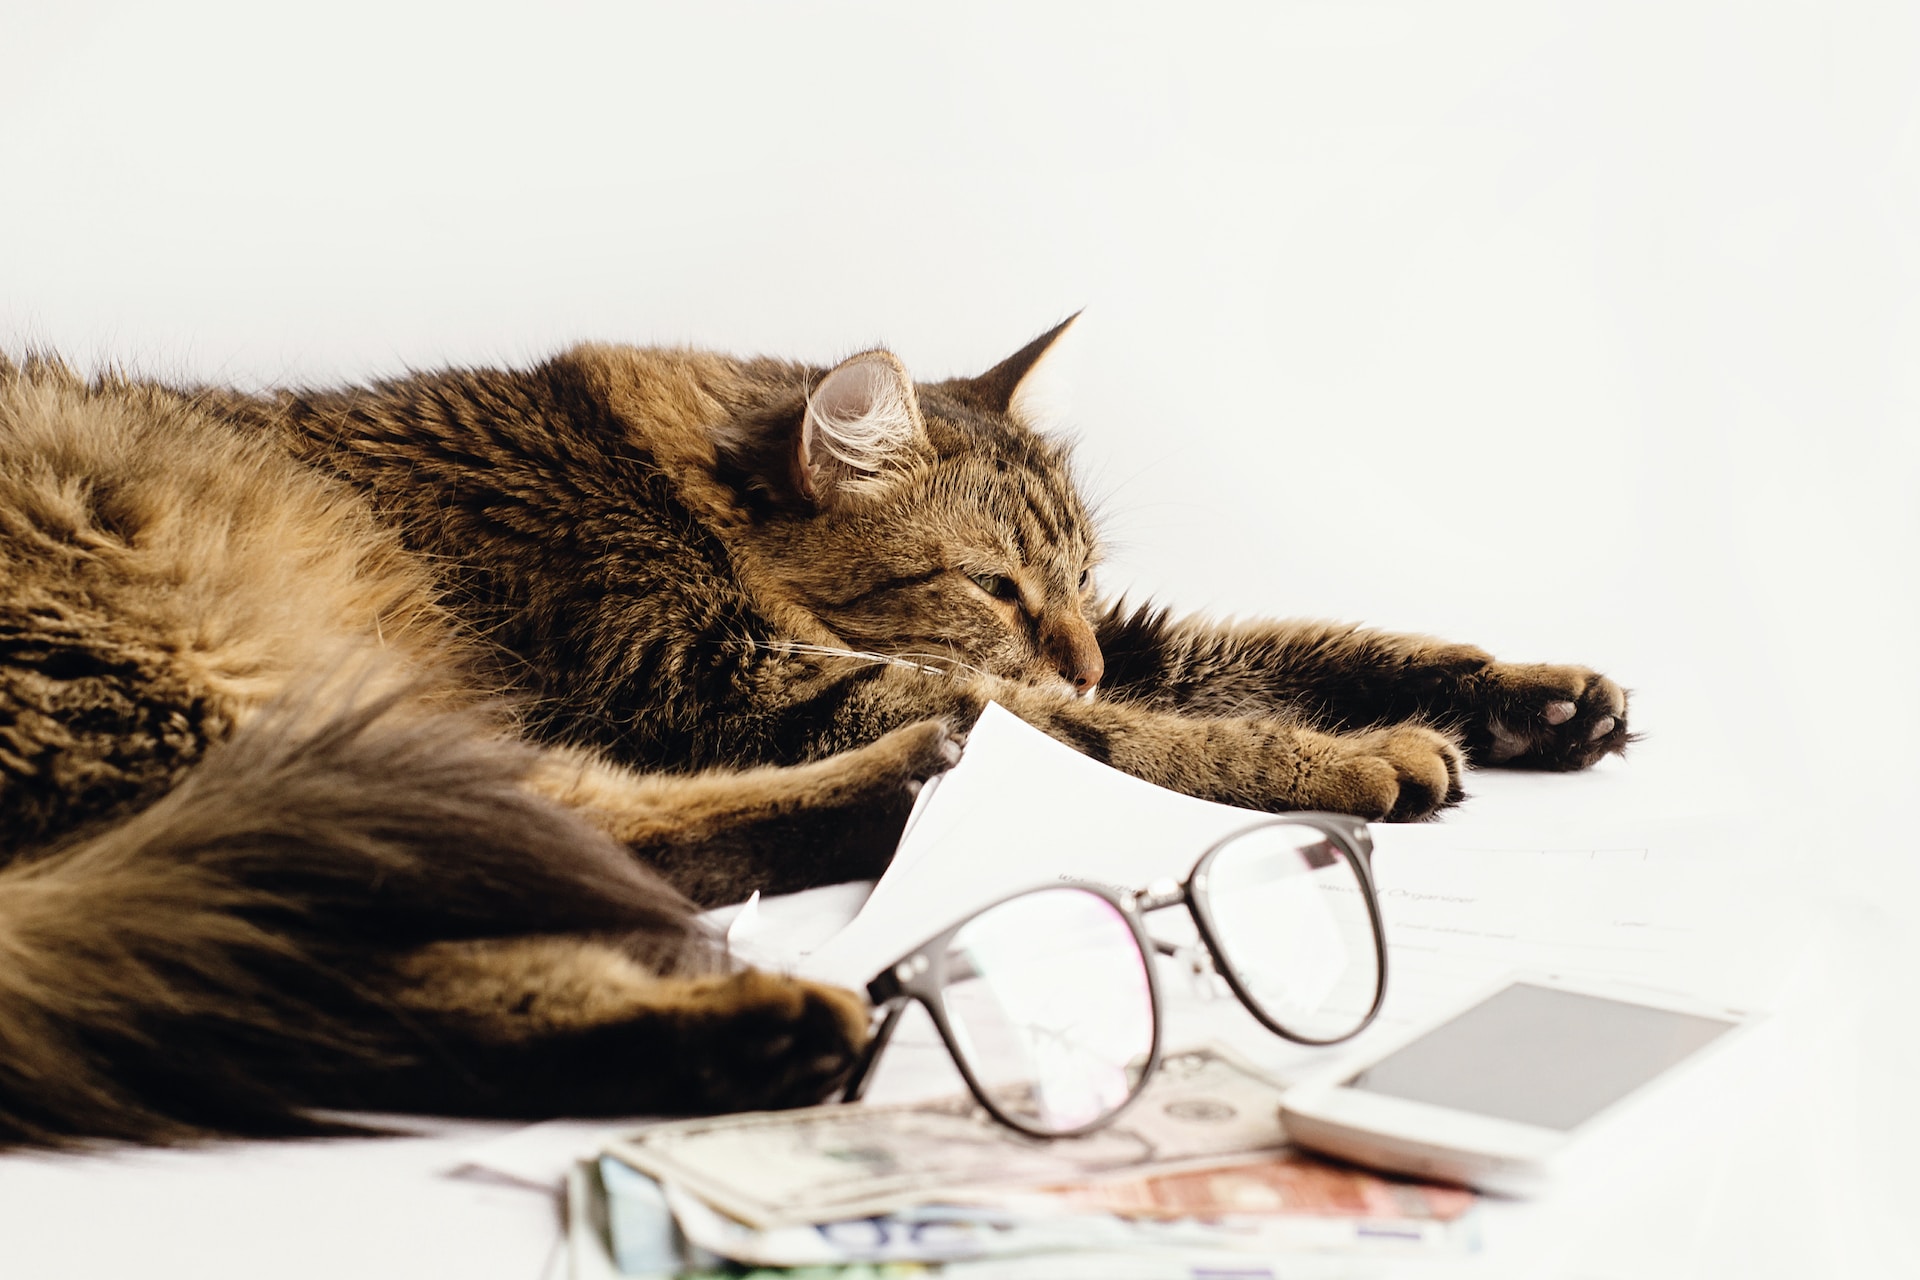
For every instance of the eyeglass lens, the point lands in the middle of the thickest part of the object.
(1289, 914)
(1050, 1007)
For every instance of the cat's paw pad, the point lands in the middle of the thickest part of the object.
(772, 1041)
(1402, 774)
(1537, 716)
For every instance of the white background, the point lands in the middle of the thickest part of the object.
(1584, 333)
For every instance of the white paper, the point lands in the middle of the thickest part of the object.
(779, 932)
(1663, 909)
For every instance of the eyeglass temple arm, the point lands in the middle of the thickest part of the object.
(863, 1070)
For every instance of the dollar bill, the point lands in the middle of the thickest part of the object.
(825, 1164)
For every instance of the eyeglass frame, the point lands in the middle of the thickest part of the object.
(921, 974)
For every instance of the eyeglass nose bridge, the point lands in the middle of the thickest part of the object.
(1165, 892)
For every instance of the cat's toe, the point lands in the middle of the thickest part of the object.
(911, 755)
(1548, 717)
(1428, 769)
(1404, 774)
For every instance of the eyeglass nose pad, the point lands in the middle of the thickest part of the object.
(1201, 974)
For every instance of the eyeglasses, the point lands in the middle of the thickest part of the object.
(1050, 1006)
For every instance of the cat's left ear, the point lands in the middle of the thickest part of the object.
(1020, 384)
(859, 417)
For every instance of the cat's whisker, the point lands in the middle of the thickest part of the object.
(953, 663)
(829, 651)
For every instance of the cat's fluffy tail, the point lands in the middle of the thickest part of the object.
(211, 964)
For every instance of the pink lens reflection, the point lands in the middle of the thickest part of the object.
(1049, 1001)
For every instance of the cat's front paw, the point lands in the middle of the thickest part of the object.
(761, 1041)
(907, 757)
(1400, 774)
(839, 818)
(1537, 716)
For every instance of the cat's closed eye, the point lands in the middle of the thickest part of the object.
(997, 585)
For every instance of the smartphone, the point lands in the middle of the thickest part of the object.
(1497, 1094)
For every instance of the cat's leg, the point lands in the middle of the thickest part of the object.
(1519, 715)
(1399, 772)
(1269, 763)
(720, 835)
(812, 707)
(564, 1025)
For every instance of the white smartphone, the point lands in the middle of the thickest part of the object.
(1496, 1094)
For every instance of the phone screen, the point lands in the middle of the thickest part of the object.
(1540, 1056)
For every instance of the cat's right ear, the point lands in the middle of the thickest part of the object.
(1019, 385)
(859, 419)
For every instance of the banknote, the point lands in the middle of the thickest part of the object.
(914, 1233)
(825, 1164)
(651, 1241)
(1290, 1184)
(640, 1226)
(941, 1233)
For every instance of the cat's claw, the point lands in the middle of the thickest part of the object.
(950, 749)
(917, 752)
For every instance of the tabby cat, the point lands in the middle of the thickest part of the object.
(372, 748)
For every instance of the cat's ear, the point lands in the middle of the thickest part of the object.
(1019, 385)
(859, 417)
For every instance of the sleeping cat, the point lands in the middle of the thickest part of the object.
(371, 748)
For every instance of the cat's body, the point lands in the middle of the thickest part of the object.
(331, 724)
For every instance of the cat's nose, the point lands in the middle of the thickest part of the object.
(1076, 655)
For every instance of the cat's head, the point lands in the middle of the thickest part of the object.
(932, 521)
